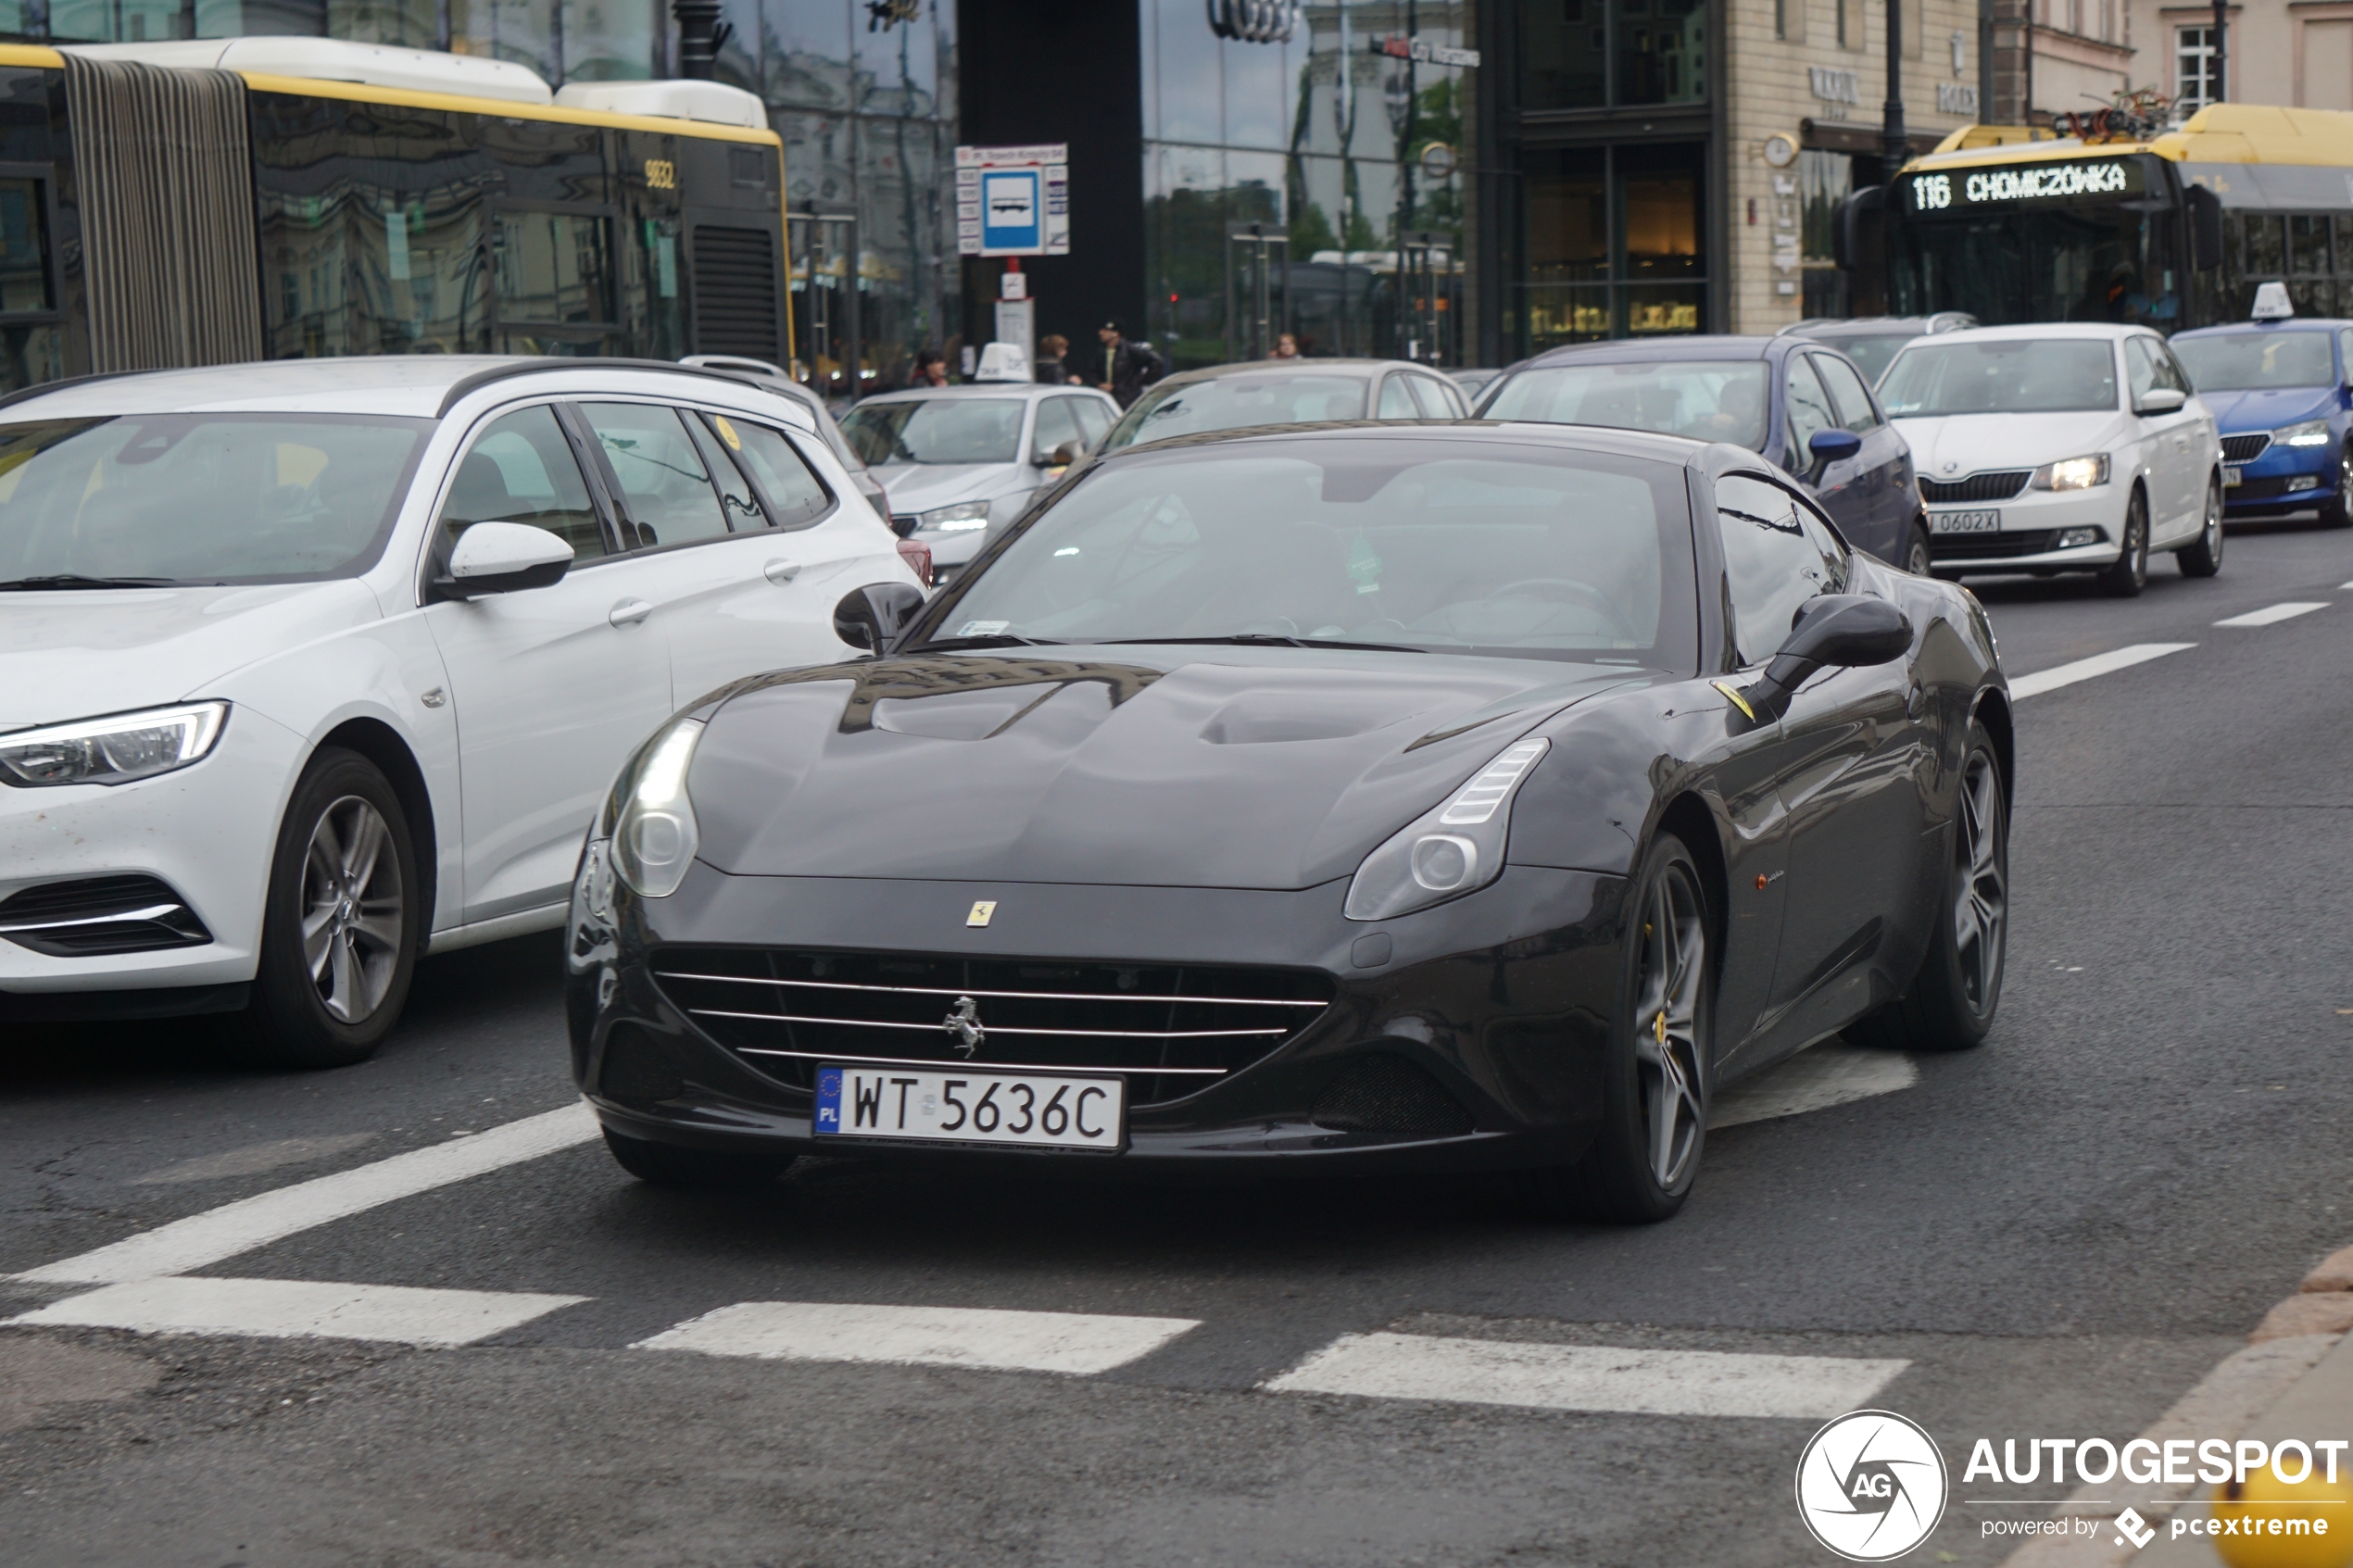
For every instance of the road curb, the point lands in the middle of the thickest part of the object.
(2298, 1357)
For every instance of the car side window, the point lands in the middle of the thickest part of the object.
(1775, 557)
(1809, 408)
(1057, 422)
(737, 496)
(661, 477)
(796, 496)
(2140, 368)
(2344, 353)
(2171, 372)
(1848, 394)
(1094, 421)
(1396, 400)
(522, 470)
(1431, 397)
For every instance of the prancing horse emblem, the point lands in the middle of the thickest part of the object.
(964, 1022)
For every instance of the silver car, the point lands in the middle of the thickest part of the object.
(957, 459)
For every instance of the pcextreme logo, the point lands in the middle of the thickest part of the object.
(1871, 1485)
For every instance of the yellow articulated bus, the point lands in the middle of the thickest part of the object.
(2172, 228)
(219, 200)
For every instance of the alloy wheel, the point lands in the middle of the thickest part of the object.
(1667, 1049)
(351, 910)
(1981, 904)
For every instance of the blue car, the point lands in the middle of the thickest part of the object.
(1803, 406)
(2278, 389)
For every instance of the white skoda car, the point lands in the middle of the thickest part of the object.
(309, 668)
(2059, 448)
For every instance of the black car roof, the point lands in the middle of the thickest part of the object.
(1677, 449)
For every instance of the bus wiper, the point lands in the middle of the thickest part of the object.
(73, 580)
(994, 640)
(1273, 640)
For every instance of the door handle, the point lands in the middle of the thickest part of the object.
(780, 571)
(630, 611)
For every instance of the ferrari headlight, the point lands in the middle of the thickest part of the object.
(2075, 473)
(1452, 850)
(111, 751)
(958, 519)
(2311, 432)
(651, 821)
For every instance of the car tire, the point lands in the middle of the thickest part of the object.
(2337, 510)
(1645, 1156)
(669, 1165)
(2205, 558)
(1917, 558)
(341, 917)
(2131, 574)
(1950, 1004)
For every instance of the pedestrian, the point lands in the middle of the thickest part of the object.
(1124, 368)
(1051, 349)
(931, 369)
(1286, 346)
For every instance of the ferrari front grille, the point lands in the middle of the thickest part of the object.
(1172, 1030)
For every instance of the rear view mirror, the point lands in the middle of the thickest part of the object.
(1829, 446)
(1839, 631)
(1068, 453)
(2161, 400)
(503, 558)
(872, 617)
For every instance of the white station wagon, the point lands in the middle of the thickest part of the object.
(309, 668)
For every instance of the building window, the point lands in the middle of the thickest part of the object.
(1614, 244)
(1843, 42)
(2193, 69)
(1597, 54)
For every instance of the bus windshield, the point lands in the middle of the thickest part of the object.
(2084, 264)
(2243, 362)
(2014, 375)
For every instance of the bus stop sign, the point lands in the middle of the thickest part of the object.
(1013, 201)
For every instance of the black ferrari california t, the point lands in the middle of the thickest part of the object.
(1335, 798)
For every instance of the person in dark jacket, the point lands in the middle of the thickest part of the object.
(931, 370)
(1051, 349)
(1123, 369)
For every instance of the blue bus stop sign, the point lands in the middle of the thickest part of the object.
(1013, 210)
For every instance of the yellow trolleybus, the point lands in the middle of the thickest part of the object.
(219, 200)
(2174, 229)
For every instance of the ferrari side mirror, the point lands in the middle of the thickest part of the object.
(1835, 630)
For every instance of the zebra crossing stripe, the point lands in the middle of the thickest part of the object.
(286, 1308)
(960, 1336)
(1587, 1377)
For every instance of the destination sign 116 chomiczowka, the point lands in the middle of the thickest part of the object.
(1965, 190)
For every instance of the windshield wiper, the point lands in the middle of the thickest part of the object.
(994, 640)
(1273, 640)
(73, 580)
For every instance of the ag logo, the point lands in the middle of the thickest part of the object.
(1871, 1485)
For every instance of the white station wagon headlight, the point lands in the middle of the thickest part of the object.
(958, 519)
(2075, 473)
(1455, 849)
(2311, 432)
(120, 749)
(653, 831)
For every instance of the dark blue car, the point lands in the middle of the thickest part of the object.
(2278, 390)
(1803, 405)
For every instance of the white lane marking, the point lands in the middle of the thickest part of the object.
(2343, 587)
(965, 1337)
(1814, 1079)
(2098, 664)
(1587, 1377)
(286, 1308)
(2271, 615)
(204, 1239)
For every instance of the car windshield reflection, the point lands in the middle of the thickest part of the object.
(1708, 400)
(1237, 402)
(1488, 548)
(936, 430)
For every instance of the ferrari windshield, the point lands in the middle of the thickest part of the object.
(1705, 399)
(1438, 547)
(2003, 375)
(1271, 398)
(2250, 360)
(936, 430)
(166, 498)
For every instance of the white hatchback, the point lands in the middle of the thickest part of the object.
(309, 668)
(2059, 448)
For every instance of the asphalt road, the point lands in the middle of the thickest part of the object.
(2056, 1234)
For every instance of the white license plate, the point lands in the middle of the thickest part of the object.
(1030, 1110)
(1965, 522)
(2233, 474)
